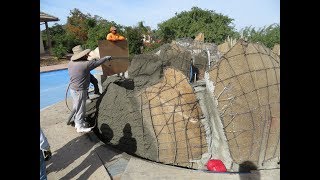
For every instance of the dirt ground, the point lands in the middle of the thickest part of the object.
(47, 59)
(52, 61)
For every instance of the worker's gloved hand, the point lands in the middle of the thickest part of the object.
(108, 58)
(47, 155)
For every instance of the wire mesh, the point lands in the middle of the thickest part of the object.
(247, 88)
(159, 118)
(175, 114)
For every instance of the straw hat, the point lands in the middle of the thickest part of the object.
(78, 52)
(94, 54)
(113, 28)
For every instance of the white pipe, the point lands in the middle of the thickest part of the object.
(208, 52)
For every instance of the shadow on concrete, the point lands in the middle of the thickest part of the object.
(248, 168)
(90, 167)
(72, 151)
(126, 83)
(127, 143)
(106, 133)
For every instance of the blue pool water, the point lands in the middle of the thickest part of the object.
(53, 86)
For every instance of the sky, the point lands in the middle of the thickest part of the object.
(254, 13)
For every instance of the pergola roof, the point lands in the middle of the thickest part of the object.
(44, 17)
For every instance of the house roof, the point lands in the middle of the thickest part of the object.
(44, 17)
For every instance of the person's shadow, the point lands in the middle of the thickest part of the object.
(73, 150)
(127, 143)
(245, 171)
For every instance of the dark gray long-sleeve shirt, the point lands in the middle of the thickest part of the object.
(79, 72)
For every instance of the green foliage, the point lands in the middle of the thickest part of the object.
(99, 32)
(134, 37)
(59, 36)
(68, 41)
(150, 47)
(87, 30)
(144, 29)
(59, 51)
(168, 35)
(56, 29)
(95, 34)
(268, 35)
(216, 27)
(78, 24)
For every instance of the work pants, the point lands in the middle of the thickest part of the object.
(79, 105)
(43, 173)
(94, 81)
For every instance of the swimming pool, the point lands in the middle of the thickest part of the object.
(53, 86)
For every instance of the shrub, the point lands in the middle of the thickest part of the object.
(59, 51)
(150, 47)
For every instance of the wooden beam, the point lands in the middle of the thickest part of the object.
(48, 37)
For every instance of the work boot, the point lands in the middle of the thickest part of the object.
(88, 101)
(83, 127)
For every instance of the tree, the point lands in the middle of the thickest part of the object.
(95, 34)
(54, 31)
(62, 41)
(134, 37)
(216, 27)
(142, 28)
(268, 35)
(78, 24)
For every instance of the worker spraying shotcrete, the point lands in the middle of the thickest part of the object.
(79, 71)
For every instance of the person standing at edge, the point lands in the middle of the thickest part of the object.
(113, 35)
(45, 155)
(79, 71)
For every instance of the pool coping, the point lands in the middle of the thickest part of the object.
(60, 67)
(53, 67)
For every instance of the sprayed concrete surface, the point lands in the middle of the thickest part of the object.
(121, 118)
(147, 115)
